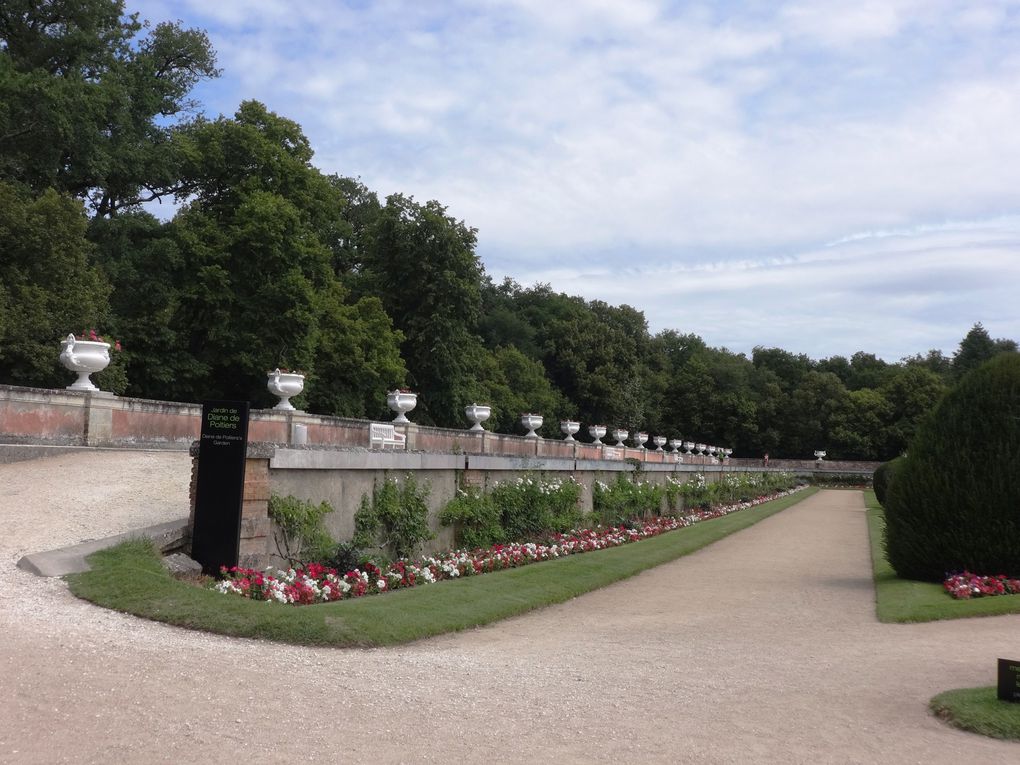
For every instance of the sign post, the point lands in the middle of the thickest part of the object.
(219, 490)
(1009, 680)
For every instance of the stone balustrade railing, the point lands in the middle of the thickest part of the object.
(73, 418)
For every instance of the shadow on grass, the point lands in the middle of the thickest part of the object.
(131, 578)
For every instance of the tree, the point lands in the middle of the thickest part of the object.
(975, 349)
(89, 110)
(48, 284)
(858, 427)
(810, 412)
(912, 394)
(952, 505)
(357, 358)
(789, 368)
(422, 264)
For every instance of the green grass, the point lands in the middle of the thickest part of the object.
(979, 711)
(904, 600)
(131, 578)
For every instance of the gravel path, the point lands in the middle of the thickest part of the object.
(761, 648)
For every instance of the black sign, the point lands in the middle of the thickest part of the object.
(1009, 680)
(219, 490)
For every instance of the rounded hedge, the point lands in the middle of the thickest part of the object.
(955, 501)
(884, 474)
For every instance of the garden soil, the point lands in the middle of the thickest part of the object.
(763, 647)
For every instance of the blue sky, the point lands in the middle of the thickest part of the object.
(825, 177)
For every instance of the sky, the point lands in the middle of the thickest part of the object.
(823, 177)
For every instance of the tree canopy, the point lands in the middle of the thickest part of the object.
(270, 262)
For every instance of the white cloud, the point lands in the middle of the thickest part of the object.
(633, 143)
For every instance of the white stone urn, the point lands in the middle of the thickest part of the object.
(688, 446)
(676, 443)
(727, 451)
(569, 428)
(478, 413)
(401, 402)
(284, 385)
(659, 441)
(531, 423)
(820, 455)
(701, 448)
(85, 357)
(597, 432)
(640, 439)
(620, 435)
(711, 452)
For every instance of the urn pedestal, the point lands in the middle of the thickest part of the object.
(285, 385)
(401, 402)
(477, 413)
(85, 357)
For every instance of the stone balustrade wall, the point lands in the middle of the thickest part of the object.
(72, 418)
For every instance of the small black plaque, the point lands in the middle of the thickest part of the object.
(219, 489)
(1009, 680)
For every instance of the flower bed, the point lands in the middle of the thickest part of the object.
(317, 584)
(967, 585)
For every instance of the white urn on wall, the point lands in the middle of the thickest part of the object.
(569, 428)
(478, 413)
(620, 435)
(284, 385)
(820, 455)
(85, 357)
(531, 423)
(676, 444)
(640, 439)
(401, 402)
(688, 446)
(659, 441)
(597, 432)
(701, 448)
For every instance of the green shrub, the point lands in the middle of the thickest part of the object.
(884, 475)
(955, 500)
(300, 533)
(513, 511)
(475, 519)
(624, 500)
(394, 518)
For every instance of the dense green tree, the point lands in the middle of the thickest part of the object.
(87, 108)
(789, 368)
(857, 429)
(422, 264)
(357, 358)
(48, 285)
(912, 393)
(810, 414)
(952, 504)
(975, 349)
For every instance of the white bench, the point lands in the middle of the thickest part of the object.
(381, 435)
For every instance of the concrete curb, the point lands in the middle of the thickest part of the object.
(71, 560)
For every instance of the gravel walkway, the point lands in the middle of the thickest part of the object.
(761, 648)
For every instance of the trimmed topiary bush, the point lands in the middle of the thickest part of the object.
(884, 474)
(955, 502)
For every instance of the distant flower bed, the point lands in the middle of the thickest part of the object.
(317, 584)
(967, 585)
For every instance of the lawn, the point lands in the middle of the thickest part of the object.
(903, 600)
(979, 711)
(131, 578)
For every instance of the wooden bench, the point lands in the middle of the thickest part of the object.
(381, 435)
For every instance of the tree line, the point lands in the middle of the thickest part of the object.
(269, 262)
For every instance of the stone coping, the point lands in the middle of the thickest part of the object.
(71, 560)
